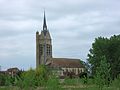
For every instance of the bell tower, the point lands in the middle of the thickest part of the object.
(43, 45)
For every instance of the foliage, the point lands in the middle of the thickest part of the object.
(9, 80)
(43, 79)
(27, 79)
(69, 81)
(108, 47)
(103, 73)
(41, 75)
(53, 83)
(87, 67)
(2, 79)
(116, 83)
(33, 78)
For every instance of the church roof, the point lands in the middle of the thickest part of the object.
(65, 63)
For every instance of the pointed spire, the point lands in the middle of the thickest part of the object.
(44, 22)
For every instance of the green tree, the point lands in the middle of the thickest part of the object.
(33, 78)
(108, 47)
(102, 76)
(41, 75)
(9, 80)
(2, 79)
(53, 83)
(26, 80)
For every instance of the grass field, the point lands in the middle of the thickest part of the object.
(69, 84)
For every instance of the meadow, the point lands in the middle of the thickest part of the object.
(42, 79)
(68, 84)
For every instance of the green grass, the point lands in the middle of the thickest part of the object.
(68, 84)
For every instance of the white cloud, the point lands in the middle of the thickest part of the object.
(76, 21)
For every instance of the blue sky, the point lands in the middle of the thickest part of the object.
(73, 25)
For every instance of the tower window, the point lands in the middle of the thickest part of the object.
(41, 49)
(48, 50)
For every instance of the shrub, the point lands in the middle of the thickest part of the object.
(116, 83)
(2, 80)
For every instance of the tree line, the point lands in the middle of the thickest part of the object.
(109, 50)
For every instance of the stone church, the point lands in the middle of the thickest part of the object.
(63, 66)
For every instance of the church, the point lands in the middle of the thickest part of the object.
(63, 66)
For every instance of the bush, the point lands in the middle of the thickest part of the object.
(53, 83)
(33, 78)
(116, 83)
(2, 80)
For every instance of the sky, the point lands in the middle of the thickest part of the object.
(73, 25)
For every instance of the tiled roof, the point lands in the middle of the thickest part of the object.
(65, 62)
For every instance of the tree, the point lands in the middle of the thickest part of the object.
(102, 76)
(108, 47)
(33, 78)
(41, 75)
(2, 79)
(26, 80)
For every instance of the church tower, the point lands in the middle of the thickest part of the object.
(43, 45)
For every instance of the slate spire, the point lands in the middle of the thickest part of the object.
(44, 23)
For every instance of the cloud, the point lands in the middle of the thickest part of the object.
(73, 25)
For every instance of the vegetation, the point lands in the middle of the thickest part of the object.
(102, 76)
(41, 79)
(2, 79)
(110, 49)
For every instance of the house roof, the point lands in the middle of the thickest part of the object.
(12, 69)
(65, 63)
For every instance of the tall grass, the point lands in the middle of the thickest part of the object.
(41, 79)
